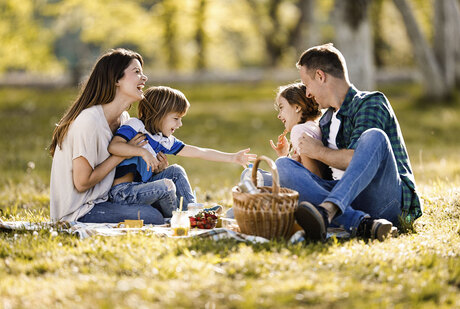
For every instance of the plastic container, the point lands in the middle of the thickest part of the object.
(247, 175)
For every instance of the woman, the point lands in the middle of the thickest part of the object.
(83, 170)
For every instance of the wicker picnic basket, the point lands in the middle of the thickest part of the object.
(270, 213)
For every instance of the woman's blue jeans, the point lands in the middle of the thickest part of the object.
(108, 212)
(163, 191)
(371, 184)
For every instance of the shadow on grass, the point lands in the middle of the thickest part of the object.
(225, 247)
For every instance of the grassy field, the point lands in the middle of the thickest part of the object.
(420, 269)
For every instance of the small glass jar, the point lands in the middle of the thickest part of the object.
(180, 223)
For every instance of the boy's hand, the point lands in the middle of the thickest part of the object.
(163, 163)
(243, 157)
(150, 160)
(282, 145)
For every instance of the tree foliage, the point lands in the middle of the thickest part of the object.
(26, 42)
(186, 35)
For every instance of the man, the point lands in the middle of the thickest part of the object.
(373, 186)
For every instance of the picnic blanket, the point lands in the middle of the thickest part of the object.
(85, 230)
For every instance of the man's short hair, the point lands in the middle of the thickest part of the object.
(326, 58)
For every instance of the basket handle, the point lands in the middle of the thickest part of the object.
(274, 170)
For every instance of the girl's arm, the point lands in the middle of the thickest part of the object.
(241, 157)
(119, 147)
(85, 177)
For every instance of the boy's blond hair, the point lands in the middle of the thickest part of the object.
(159, 102)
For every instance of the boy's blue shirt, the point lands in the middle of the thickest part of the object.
(156, 143)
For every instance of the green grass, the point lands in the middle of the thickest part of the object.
(44, 269)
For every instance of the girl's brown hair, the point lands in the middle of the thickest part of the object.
(295, 94)
(100, 88)
(159, 102)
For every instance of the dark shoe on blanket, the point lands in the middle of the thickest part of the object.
(313, 220)
(373, 228)
(217, 209)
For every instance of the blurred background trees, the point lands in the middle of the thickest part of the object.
(177, 37)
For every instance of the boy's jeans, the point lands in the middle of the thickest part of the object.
(163, 190)
(370, 186)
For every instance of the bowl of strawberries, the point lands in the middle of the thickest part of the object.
(205, 219)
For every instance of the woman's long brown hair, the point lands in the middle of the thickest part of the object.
(100, 88)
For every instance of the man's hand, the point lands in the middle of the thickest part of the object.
(314, 149)
(310, 147)
(163, 163)
(295, 156)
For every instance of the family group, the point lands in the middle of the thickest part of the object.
(346, 155)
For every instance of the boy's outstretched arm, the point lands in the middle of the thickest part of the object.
(242, 157)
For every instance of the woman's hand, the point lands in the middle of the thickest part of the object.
(282, 145)
(139, 140)
(243, 157)
(119, 147)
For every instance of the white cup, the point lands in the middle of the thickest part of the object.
(194, 208)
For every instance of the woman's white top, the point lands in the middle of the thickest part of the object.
(88, 136)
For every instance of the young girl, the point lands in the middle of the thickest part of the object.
(299, 115)
(160, 114)
(83, 170)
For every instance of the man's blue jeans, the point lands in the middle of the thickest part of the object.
(371, 184)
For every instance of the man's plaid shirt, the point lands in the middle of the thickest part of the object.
(361, 111)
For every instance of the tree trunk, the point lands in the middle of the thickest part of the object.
(200, 35)
(380, 46)
(354, 39)
(274, 48)
(305, 34)
(432, 76)
(456, 38)
(170, 34)
(444, 42)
